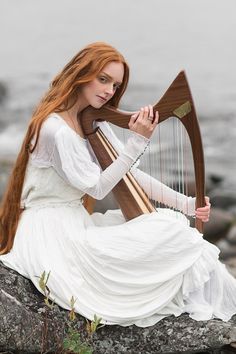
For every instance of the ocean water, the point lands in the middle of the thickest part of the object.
(159, 38)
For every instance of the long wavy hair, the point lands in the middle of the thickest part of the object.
(61, 96)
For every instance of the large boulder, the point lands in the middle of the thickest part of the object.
(28, 326)
(219, 224)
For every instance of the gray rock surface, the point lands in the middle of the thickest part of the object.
(223, 198)
(231, 265)
(3, 92)
(5, 169)
(28, 326)
(219, 224)
(231, 236)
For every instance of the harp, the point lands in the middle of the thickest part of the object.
(177, 104)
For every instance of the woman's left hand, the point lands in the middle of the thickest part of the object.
(203, 213)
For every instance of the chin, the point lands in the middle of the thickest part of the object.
(97, 105)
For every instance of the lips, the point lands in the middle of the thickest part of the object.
(102, 98)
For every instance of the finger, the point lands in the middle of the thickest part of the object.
(133, 119)
(203, 218)
(207, 201)
(135, 115)
(141, 114)
(203, 210)
(146, 112)
(205, 207)
(156, 119)
(151, 114)
(202, 215)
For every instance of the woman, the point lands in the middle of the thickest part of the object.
(134, 272)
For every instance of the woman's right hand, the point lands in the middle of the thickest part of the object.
(144, 121)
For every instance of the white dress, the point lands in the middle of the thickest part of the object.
(134, 272)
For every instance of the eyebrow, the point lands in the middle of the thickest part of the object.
(111, 78)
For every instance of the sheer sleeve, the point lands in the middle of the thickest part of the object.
(73, 162)
(161, 193)
(154, 188)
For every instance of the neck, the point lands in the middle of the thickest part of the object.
(74, 111)
(72, 116)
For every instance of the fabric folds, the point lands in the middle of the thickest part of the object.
(134, 272)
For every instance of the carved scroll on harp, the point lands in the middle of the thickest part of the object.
(176, 102)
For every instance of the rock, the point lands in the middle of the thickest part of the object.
(232, 209)
(231, 265)
(219, 224)
(5, 169)
(22, 328)
(213, 182)
(231, 236)
(3, 92)
(228, 247)
(223, 198)
(226, 250)
(216, 179)
(28, 326)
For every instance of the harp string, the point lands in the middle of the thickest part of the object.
(137, 191)
(187, 176)
(177, 101)
(166, 159)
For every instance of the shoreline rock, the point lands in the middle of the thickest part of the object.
(26, 326)
(3, 92)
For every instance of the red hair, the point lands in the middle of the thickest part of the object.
(61, 96)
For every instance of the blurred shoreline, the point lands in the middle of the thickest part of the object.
(218, 131)
(219, 156)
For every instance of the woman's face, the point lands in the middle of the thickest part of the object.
(101, 89)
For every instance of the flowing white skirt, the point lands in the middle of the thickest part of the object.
(134, 272)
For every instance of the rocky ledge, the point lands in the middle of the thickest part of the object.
(29, 326)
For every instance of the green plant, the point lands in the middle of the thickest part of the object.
(73, 344)
(43, 279)
(72, 315)
(94, 325)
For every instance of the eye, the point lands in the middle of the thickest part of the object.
(102, 79)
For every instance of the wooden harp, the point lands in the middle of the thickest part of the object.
(177, 102)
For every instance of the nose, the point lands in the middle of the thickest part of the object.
(109, 89)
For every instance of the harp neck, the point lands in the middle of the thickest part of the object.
(176, 102)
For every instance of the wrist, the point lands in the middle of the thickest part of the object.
(136, 146)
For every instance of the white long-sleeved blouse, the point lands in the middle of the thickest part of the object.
(61, 148)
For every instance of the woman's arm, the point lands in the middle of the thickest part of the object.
(161, 193)
(157, 190)
(72, 161)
